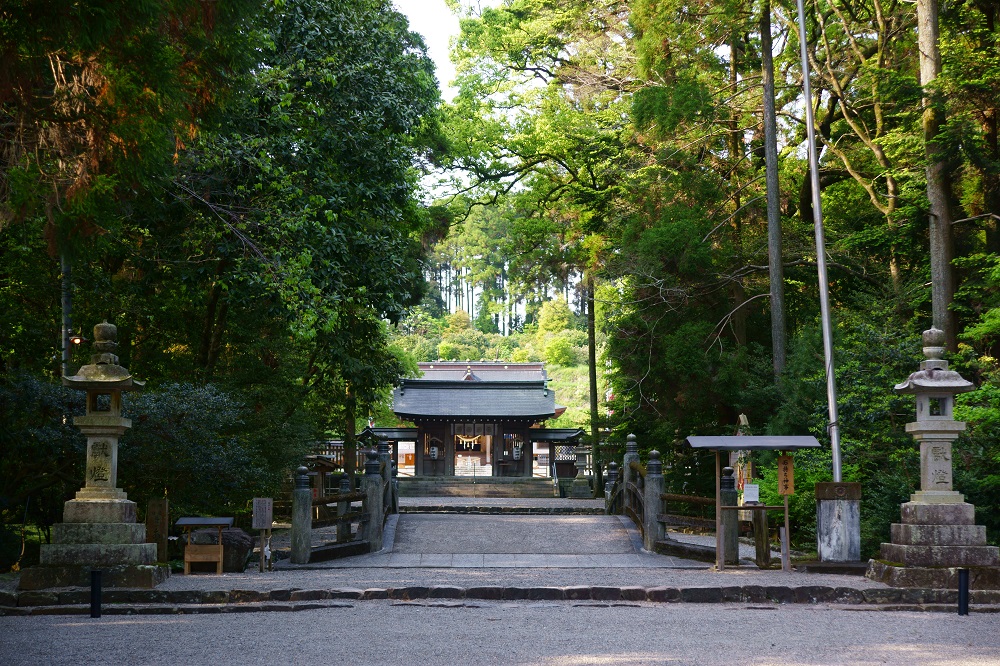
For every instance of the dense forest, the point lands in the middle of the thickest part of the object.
(620, 151)
(232, 185)
(275, 207)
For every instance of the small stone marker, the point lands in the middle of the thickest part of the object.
(158, 526)
(786, 475)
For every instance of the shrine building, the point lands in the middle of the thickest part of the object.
(483, 419)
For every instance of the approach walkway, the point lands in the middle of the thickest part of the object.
(510, 541)
(512, 533)
(575, 558)
(573, 546)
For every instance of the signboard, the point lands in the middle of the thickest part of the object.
(786, 475)
(751, 492)
(263, 513)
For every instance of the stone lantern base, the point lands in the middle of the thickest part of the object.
(97, 534)
(931, 543)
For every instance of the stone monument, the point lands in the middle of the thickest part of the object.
(937, 534)
(99, 528)
(838, 521)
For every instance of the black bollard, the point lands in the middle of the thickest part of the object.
(95, 593)
(963, 591)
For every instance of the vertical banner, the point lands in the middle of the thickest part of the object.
(786, 475)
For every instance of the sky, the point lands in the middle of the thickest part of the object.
(433, 20)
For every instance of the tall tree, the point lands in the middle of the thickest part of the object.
(939, 213)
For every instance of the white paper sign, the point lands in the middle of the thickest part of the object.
(751, 492)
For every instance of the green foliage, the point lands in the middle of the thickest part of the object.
(204, 449)
(558, 351)
(554, 317)
(246, 215)
(876, 451)
(43, 455)
(976, 455)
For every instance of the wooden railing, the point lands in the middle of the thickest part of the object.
(336, 454)
(633, 504)
(338, 509)
(685, 519)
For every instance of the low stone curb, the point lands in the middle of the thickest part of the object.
(116, 601)
(506, 510)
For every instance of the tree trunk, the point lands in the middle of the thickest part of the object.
(350, 440)
(738, 320)
(775, 267)
(942, 279)
(595, 426)
(66, 286)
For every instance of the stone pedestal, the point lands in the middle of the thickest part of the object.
(931, 543)
(838, 522)
(97, 534)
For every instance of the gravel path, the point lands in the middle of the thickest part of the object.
(488, 633)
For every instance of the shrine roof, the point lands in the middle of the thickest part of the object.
(753, 442)
(482, 390)
(481, 371)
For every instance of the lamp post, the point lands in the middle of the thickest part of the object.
(824, 288)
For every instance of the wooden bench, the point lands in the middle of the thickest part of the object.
(194, 552)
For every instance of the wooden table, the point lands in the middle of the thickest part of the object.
(211, 552)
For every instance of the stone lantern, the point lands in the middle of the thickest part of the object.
(937, 532)
(99, 529)
(935, 387)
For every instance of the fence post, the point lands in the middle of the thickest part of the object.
(652, 529)
(301, 517)
(344, 526)
(628, 474)
(730, 519)
(371, 485)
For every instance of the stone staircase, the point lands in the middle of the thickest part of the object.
(464, 486)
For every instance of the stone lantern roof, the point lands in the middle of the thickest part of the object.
(934, 375)
(103, 371)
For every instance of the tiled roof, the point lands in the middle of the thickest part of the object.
(483, 371)
(481, 399)
(450, 389)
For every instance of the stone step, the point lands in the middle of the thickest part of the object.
(469, 487)
(937, 578)
(504, 510)
(915, 513)
(97, 554)
(215, 601)
(106, 533)
(941, 556)
(938, 535)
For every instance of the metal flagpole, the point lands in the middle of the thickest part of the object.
(824, 289)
